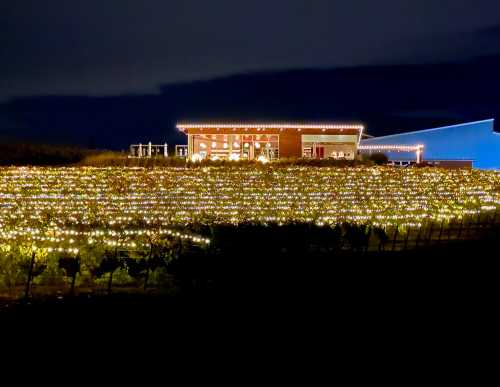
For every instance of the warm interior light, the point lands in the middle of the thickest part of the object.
(203, 145)
(214, 144)
(196, 157)
(263, 159)
(236, 144)
(257, 145)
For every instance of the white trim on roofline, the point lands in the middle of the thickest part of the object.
(432, 129)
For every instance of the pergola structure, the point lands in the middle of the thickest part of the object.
(148, 150)
(269, 141)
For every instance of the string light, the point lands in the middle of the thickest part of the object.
(261, 126)
(398, 148)
(67, 209)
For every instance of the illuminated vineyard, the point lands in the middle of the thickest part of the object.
(62, 207)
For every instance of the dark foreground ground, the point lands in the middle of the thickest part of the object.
(426, 315)
(453, 283)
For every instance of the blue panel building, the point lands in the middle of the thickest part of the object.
(476, 141)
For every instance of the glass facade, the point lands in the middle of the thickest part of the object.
(342, 147)
(235, 146)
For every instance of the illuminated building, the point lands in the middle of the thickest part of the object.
(270, 141)
(473, 144)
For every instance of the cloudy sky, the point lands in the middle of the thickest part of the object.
(103, 47)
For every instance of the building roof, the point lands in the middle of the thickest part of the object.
(468, 141)
(423, 131)
(271, 125)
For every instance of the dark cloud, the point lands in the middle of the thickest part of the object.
(490, 31)
(124, 46)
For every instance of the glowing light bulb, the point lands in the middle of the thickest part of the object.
(196, 157)
(262, 159)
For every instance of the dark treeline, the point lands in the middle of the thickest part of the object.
(19, 154)
(31, 154)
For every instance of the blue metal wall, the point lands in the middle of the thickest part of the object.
(470, 141)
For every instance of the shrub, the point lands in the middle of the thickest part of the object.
(378, 158)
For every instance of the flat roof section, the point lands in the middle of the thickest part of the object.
(263, 125)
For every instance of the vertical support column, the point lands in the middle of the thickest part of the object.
(190, 146)
(140, 150)
(165, 150)
(149, 149)
(279, 147)
(419, 155)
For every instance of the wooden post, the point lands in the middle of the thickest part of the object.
(418, 236)
(429, 237)
(368, 239)
(493, 218)
(440, 231)
(460, 228)
(478, 223)
(406, 239)
(30, 275)
(395, 236)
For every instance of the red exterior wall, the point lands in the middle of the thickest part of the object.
(290, 144)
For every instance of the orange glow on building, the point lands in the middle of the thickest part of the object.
(270, 141)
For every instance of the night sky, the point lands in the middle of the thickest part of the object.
(121, 69)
